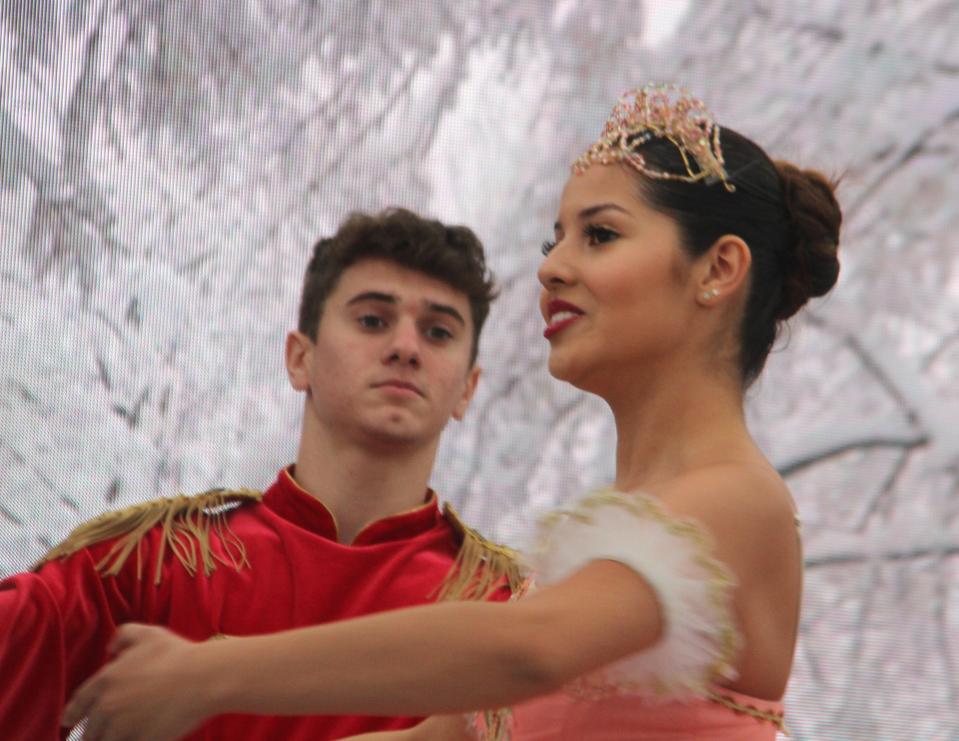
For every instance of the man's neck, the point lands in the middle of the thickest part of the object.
(359, 483)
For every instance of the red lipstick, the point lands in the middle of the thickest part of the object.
(560, 315)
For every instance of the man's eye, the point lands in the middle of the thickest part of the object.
(371, 321)
(439, 333)
(599, 234)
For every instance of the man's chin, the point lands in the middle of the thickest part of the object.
(393, 435)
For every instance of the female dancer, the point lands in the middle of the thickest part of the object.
(666, 607)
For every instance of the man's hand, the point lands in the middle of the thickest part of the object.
(153, 690)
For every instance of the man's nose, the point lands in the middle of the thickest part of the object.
(404, 346)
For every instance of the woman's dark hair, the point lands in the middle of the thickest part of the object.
(788, 217)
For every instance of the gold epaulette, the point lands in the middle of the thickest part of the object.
(481, 566)
(186, 522)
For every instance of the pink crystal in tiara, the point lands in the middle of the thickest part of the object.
(665, 112)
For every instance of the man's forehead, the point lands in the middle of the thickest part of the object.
(389, 282)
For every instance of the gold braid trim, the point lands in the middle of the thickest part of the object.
(497, 725)
(480, 567)
(186, 523)
(771, 716)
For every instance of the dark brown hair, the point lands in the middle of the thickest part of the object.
(452, 254)
(788, 217)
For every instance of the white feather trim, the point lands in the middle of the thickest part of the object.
(674, 557)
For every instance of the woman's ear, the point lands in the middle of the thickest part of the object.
(724, 271)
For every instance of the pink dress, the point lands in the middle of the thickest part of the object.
(626, 718)
(671, 691)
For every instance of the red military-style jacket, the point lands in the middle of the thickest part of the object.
(227, 565)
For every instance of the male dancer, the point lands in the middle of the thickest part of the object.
(385, 352)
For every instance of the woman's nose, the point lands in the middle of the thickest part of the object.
(555, 269)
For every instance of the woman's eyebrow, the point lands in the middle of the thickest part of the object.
(591, 211)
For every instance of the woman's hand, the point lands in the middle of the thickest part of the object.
(152, 691)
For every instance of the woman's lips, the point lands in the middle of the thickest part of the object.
(560, 322)
(561, 315)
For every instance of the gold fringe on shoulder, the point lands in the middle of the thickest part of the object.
(498, 724)
(481, 565)
(481, 568)
(186, 522)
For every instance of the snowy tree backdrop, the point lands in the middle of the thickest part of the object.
(165, 166)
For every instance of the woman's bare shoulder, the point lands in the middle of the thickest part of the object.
(745, 507)
(728, 490)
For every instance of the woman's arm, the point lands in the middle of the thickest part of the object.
(443, 658)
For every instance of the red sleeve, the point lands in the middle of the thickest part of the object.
(55, 626)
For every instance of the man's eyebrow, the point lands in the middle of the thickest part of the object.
(386, 298)
(446, 309)
(389, 298)
(590, 211)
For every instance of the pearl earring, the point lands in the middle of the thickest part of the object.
(711, 293)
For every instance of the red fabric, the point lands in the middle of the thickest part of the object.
(55, 625)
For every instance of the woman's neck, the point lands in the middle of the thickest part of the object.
(675, 422)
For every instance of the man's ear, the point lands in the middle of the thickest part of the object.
(724, 272)
(299, 359)
(469, 388)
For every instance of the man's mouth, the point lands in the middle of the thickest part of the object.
(400, 387)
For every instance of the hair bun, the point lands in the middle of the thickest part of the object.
(812, 266)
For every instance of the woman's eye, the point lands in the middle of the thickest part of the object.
(599, 234)
(548, 246)
(371, 321)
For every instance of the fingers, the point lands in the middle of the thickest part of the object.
(129, 635)
(84, 699)
(94, 730)
(104, 726)
(109, 700)
(100, 728)
(81, 703)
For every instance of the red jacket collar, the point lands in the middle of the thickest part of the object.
(294, 503)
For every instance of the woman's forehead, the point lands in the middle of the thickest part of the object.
(600, 184)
